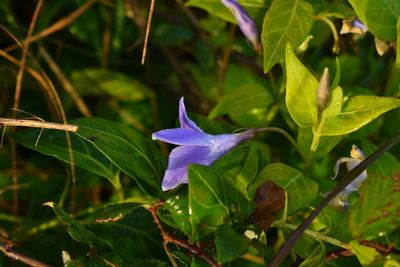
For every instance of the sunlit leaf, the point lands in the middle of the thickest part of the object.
(287, 21)
(365, 255)
(301, 91)
(358, 111)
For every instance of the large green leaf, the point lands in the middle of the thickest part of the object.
(178, 209)
(243, 99)
(128, 149)
(213, 201)
(76, 229)
(380, 16)
(302, 190)
(103, 81)
(86, 156)
(229, 244)
(376, 212)
(216, 8)
(357, 112)
(287, 21)
(301, 91)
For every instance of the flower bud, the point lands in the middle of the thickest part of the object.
(323, 91)
(246, 24)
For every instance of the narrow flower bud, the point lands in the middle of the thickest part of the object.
(246, 24)
(323, 91)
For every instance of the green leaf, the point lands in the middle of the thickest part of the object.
(229, 244)
(301, 91)
(216, 8)
(178, 207)
(357, 112)
(128, 149)
(317, 257)
(326, 143)
(287, 21)
(86, 156)
(75, 229)
(365, 255)
(100, 81)
(243, 99)
(213, 201)
(380, 16)
(376, 212)
(302, 190)
(114, 212)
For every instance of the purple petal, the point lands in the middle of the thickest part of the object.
(178, 162)
(184, 120)
(180, 136)
(246, 24)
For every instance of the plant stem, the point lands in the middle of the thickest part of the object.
(314, 235)
(22, 258)
(286, 135)
(171, 239)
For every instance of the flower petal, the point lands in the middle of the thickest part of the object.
(246, 24)
(178, 162)
(187, 137)
(184, 120)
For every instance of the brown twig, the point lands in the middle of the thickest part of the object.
(17, 95)
(38, 124)
(146, 37)
(22, 258)
(59, 25)
(67, 85)
(171, 239)
(384, 249)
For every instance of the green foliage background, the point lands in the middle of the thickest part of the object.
(196, 51)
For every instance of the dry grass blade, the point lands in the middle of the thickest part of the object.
(146, 38)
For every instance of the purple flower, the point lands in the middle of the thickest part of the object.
(195, 146)
(246, 24)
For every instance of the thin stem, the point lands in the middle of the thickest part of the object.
(313, 149)
(335, 47)
(22, 258)
(253, 258)
(314, 235)
(38, 124)
(286, 135)
(171, 239)
(146, 38)
(346, 180)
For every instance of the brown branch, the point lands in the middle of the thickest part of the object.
(38, 124)
(171, 239)
(22, 258)
(383, 249)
